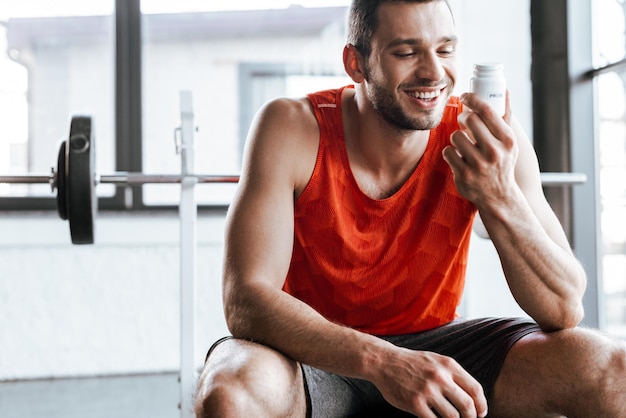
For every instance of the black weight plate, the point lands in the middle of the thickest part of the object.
(61, 183)
(81, 193)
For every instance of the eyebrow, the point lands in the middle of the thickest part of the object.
(417, 41)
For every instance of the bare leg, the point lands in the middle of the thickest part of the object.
(244, 379)
(573, 373)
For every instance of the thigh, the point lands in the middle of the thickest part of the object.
(479, 345)
(554, 374)
(257, 375)
(334, 396)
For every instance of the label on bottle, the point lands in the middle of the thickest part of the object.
(489, 84)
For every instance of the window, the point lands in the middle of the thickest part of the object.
(233, 56)
(56, 60)
(608, 53)
(232, 61)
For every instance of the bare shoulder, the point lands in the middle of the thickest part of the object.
(283, 141)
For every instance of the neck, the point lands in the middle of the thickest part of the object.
(381, 156)
(375, 139)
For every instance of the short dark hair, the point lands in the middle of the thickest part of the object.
(363, 22)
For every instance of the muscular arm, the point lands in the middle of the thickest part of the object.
(279, 160)
(259, 241)
(497, 170)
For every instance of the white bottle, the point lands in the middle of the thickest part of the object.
(490, 85)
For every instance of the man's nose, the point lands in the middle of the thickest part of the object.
(430, 67)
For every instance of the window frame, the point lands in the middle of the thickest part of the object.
(585, 157)
(128, 117)
(565, 112)
(128, 144)
(128, 105)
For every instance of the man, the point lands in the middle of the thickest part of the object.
(347, 241)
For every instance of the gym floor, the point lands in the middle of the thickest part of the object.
(154, 396)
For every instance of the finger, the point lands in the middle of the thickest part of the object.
(453, 158)
(445, 407)
(462, 395)
(487, 143)
(471, 388)
(477, 125)
(454, 401)
(509, 112)
(481, 110)
(464, 403)
(478, 105)
(465, 146)
(425, 411)
(472, 122)
(466, 393)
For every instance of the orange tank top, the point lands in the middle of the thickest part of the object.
(385, 267)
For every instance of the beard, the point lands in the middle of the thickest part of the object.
(390, 109)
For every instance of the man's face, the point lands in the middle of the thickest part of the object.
(411, 71)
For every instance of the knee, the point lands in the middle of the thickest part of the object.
(611, 385)
(221, 395)
(242, 379)
(592, 373)
(615, 368)
(600, 386)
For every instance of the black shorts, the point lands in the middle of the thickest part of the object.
(478, 345)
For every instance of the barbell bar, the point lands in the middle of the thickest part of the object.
(75, 178)
(121, 178)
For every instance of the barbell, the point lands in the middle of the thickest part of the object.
(75, 178)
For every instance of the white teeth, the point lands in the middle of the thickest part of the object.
(425, 95)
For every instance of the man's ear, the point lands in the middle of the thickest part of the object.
(353, 63)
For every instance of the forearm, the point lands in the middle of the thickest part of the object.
(414, 381)
(544, 276)
(272, 317)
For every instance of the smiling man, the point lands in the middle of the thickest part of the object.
(347, 243)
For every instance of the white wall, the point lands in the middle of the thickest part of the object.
(494, 30)
(109, 308)
(113, 307)
(497, 31)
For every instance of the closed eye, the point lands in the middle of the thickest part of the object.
(446, 52)
(404, 54)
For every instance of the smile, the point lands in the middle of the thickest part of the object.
(425, 95)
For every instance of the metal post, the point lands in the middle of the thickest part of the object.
(188, 216)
